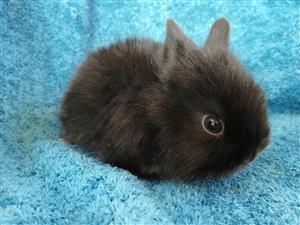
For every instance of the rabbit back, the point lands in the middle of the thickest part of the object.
(102, 110)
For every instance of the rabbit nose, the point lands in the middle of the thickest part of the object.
(253, 155)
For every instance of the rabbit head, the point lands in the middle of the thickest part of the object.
(211, 112)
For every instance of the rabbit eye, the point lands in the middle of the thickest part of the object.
(212, 125)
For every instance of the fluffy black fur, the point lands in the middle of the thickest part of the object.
(138, 104)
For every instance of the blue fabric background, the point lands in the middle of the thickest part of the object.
(46, 181)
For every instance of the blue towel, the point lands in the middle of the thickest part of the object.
(45, 181)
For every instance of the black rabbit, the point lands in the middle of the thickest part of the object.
(169, 110)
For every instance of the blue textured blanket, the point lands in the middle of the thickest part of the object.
(44, 181)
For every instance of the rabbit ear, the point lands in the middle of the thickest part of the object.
(219, 35)
(176, 41)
